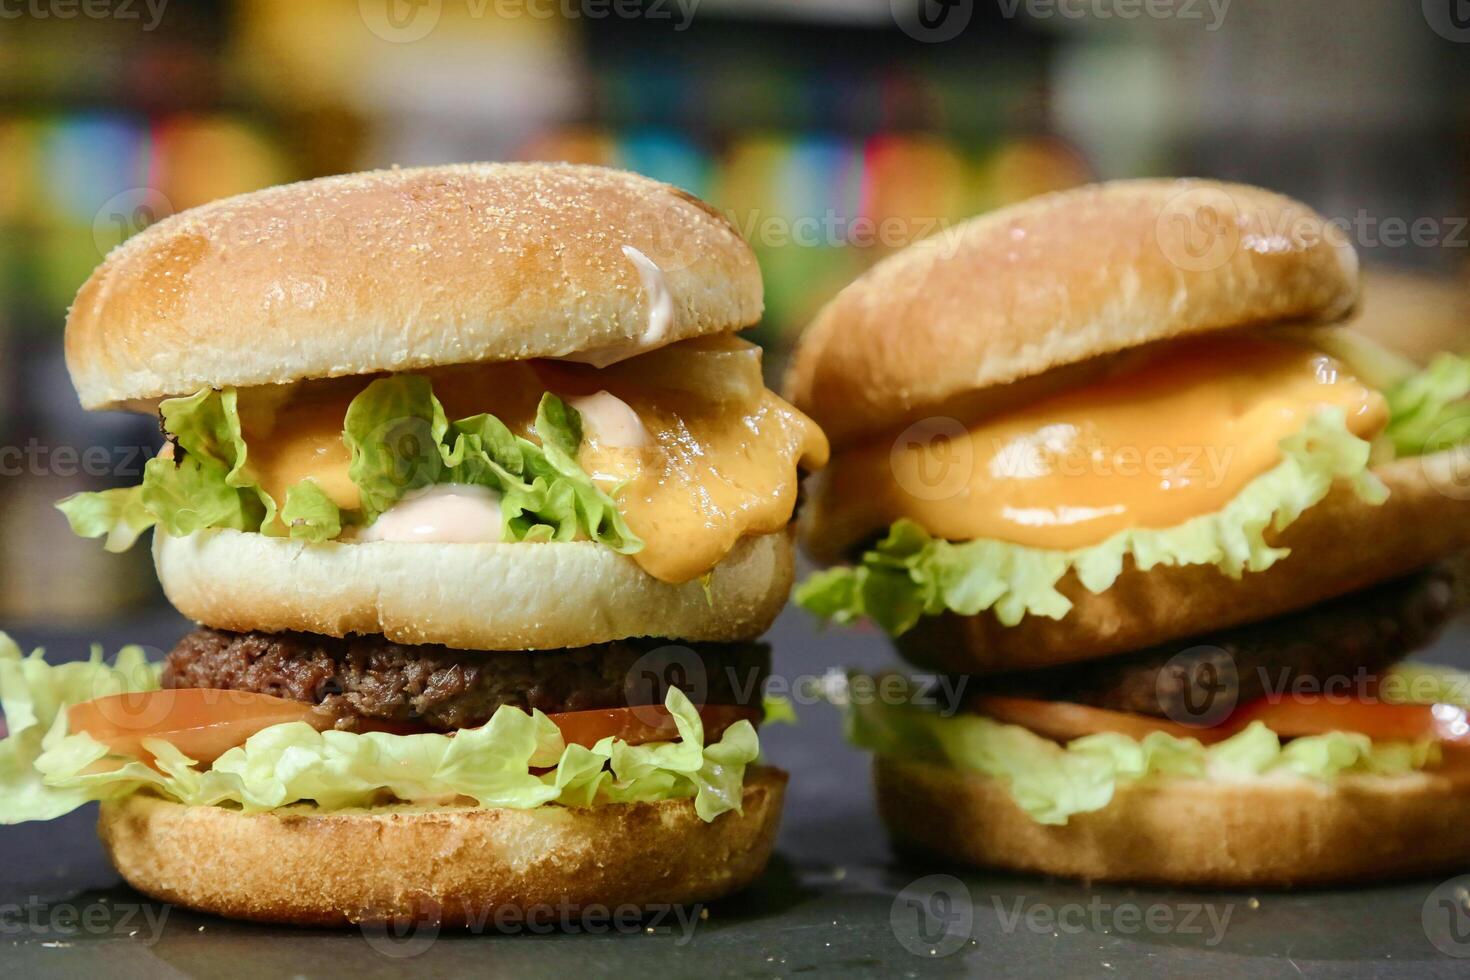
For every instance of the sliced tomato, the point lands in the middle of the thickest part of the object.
(1063, 721)
(204, 724)
(1289, 717)
(1316, 715)
(201, 723)
(649, 723)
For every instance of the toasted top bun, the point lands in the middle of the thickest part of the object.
(400, 270)
(1266, 832)
(1059, 280)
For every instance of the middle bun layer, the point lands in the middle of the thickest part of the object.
(512, 596)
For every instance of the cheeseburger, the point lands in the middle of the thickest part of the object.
(480, 507)
(1106, 465)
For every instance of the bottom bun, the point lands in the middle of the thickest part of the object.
(1191, 832)
(457, 867)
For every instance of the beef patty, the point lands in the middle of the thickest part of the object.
(1359, 633)
(371, 677)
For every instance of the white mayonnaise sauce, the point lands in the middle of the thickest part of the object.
(610, 422)
(452, 513)
(660, 317)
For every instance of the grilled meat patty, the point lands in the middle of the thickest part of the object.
(371, 677)
(1360, 633)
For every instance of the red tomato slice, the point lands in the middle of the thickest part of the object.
(1316, 715)
(201, 723)
(204, 724)
(1064, 721)
(1289, 717)
(649, 723)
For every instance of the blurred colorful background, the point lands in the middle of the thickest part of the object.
(831, 132)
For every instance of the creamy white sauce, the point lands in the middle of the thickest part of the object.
(610, 422)
(660, 317)
(452, 513)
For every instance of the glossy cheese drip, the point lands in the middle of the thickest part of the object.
(716, 458)
(1171, 435)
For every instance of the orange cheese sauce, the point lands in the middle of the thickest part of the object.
(1172, 434)
(719, 462)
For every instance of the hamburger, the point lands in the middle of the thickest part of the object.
(1108, 467)
(480, 507)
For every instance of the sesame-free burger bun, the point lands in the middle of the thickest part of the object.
(456, 865)
(1264, 832)
(500, 596)
(1342, 545)
(400, 270)
(1057, 281)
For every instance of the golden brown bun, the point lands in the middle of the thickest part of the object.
(399, 270)
(300, 867)
(1414, 314)
(1056, 281)
(470, 596)
(1191, 832)
(1340, 546)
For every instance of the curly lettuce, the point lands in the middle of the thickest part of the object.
(1430, 411)
(203, 484)
(516, 761)
(1052, 782)
(399, 440)
(911, 574)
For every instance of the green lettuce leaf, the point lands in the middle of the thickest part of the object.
(910, 574)
(118, 515)
(205, 485)
(1430, 411)
(33, 695)
(401, 441)
(310, 514)
(777, 710)
(1052, 782)
(516, 761)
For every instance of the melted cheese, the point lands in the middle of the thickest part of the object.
(1171, 435)
(694, 466)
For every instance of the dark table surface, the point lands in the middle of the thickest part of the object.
(835, 901)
